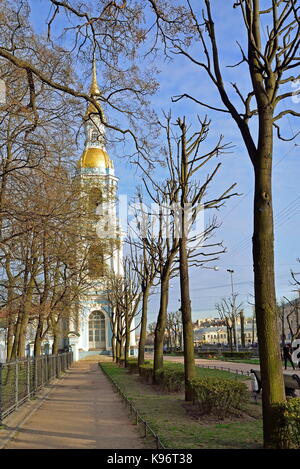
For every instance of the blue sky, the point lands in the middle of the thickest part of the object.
(179, 76)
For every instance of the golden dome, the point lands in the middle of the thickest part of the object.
(95, 158)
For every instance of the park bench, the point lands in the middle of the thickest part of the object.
(291, 383)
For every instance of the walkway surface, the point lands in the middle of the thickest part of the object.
(245, 367)
(81, 412)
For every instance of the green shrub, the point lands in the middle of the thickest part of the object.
(146, 372)
(288, 424)
(237, 355)
(132, 366)
(206, 354)
(170, 380)
(220, 397)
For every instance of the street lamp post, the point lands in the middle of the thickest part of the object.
(233, 309)
(231, 276)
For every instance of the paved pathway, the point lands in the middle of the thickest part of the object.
(228, 365)
(81, 412)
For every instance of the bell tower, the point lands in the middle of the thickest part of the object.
(101, 232)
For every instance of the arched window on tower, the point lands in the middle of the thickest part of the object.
(96, 262)
(97, 335)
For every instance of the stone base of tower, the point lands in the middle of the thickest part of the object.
(90, 353)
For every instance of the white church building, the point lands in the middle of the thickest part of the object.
(98, 187)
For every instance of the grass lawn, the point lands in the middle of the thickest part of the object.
(174, 421)
(250, 361)
(203, 372)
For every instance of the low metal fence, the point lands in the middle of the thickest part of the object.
(21, 379)
(138, 419)
(226, 368)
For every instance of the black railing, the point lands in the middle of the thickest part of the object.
(133, 410)
(21, 379)
(226, 368)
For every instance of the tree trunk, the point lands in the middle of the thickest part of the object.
(122, 346)
(186, 311)
(143, 331)
(282, 328)
(230, 338)
(242, 318)
(127, 340)
(38, 338)
(159, 335)
(37, 345)
(118, 351)
(14, 350)
(234, 331)
(113, 347)
(55, 341)
(10, 336)
(265, 298)
(22, 335)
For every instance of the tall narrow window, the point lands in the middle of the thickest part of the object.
(97, 336)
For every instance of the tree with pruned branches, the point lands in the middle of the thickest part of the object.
(145, 267)
(270, 57)
(181, 200)
(124, 295)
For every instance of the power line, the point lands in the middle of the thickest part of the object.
(244, 242)
(280, 218)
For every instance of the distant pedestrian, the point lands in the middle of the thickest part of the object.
(287, 355)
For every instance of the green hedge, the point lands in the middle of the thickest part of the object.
(206, 354)
(170, 380)
(220, 397)
(288, 424)
(146, 373)
(237, 354)
(132, 365)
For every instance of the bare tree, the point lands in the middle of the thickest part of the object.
(292, 318)
(103, 31)
(124, 294)
(269, 62)
(185, 198)
(145, 266)
(174, 330)
(229, 311)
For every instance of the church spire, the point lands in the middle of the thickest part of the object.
(94, 90)
(94, 93)
(95, 155)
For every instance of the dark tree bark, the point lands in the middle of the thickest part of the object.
(143, 330)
